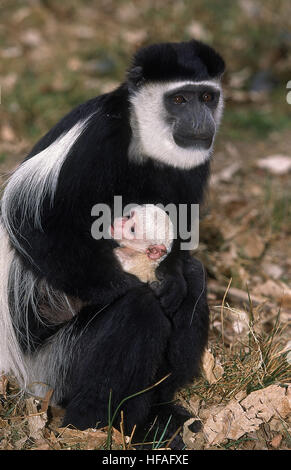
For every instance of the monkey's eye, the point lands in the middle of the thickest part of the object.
(179, 99)
(206, 97)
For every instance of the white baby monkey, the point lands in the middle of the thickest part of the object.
(145, 238)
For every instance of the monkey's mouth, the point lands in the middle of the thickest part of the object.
(194, 141)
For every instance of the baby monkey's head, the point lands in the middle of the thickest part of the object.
(147, 230)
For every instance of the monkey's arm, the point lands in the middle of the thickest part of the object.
(78, 265)
(172, 288)
(62, 250)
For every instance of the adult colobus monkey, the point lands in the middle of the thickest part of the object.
(150, 141)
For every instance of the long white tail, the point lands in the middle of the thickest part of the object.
(12, 359)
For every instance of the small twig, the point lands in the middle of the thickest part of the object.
(173, 437)
(132, 433)
(46, 400)
(222, 310)
(122, 430)
(238, 295)
(18, 418)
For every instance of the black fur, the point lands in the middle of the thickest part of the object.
(150, 346)
(96, 169)
(191, 60)
(144, 333)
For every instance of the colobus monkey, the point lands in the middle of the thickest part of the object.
(145, 238)
(68, 309)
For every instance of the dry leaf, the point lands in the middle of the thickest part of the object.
(56, 416)
(127, 12)
(83, 31)
(116, 436)
(238, 295)
(226, 174)
(277, 290)
(212, 369)
(240, 395)
(8, 81)
(276, 164)
(276, 424)
(238, 79)
(194, 441)
(7, 133)
(18, 445)
(194, 404)
(268, 402)
(198, 31)
(272, 270)
(3, 423)
(46, 400)
(135, 37)
(74, 63)
(88, 439)
(36, 420)
(11, 52)
(276, 441)
(251, 244)
(53, 440)
(240, 321)
(3, 385)
(42, 445)
(237, 419)
(229, 423)
(31, 37)
(244, 96)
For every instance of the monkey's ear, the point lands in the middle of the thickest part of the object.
(135, 78)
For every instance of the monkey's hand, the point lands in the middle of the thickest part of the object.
(172, 288)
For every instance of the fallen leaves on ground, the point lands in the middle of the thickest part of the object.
(212, 368)
(241, 417)
(276, 164)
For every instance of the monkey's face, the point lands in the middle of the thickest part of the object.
(129, 232)
(191, 115)
(175, 123)
(144, 228)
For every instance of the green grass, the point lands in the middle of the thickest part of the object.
(235, 444)
(252, 123)
(39, 104)
(248, 367)
(3, 157)
(276, 205)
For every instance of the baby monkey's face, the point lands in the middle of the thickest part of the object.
(130, 232)
(127, 231)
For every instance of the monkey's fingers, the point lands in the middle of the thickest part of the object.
(171, 292)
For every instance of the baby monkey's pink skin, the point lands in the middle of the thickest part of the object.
(137, 254)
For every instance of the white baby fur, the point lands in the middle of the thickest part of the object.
(36, 178)
(152, 136)
(154, 225)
